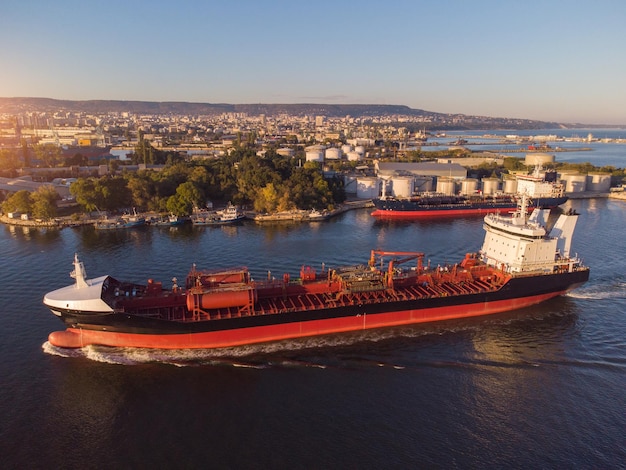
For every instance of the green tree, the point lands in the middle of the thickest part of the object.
(143, 191)
(49, 154)
(86, 195)
(18, 202)
(9, 159)
(44, 202)
(115, 193)
(267, 199)
(190, 193)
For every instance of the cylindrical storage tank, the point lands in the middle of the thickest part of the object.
(574, 182)
(354, 156)
(332, 153)
(469, 186)
(221, 299)
(446, 185)
(346, 148)
(423, 184)
(286, 152)
(360, 150)
(599, 182)
(491, 186)
(509, 185)
(315, 153)
(402, 186)
(349, 184)
(534, 159)
(367, 187)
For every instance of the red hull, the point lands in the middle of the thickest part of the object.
(76, 338)
(436, 213)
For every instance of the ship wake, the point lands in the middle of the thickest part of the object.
(615, 289)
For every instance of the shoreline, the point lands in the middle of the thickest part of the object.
(290, 216)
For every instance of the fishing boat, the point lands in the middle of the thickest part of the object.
(170, 221)
(521, 263)
(125, 221)
(229, 215)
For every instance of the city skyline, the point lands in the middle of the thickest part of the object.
(550, 61)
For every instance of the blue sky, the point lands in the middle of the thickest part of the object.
(549, 60)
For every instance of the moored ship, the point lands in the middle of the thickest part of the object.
(520, 264)
(229, 215)
(543, 191)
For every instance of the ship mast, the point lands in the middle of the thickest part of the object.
(79, 272)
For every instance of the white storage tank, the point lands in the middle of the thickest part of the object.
(333, 153)
(469, 186)
(446, 185)
(286, 152)
(491, 186)
(354, 156)
(315, 153)
(402, 186)
(367, 187)
(574, 182)
(509, 185)
(349, 184)
(423, 184)
(599, 182)
(534, 159)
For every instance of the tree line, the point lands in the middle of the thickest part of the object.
(264, 183)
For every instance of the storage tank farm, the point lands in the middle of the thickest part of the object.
(367, 187)
(354, 156)
(446, 185)
(350, 184)
(542, 159)
(402, 186)
(599, 182)
(491, 186)
(469, 186)
(423, 184)
(574, 181)
(509, 184)
(315, 153)
(332, 153)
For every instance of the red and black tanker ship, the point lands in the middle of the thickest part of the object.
(222, 308)
(545, 192)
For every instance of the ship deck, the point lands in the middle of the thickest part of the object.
(277, 297)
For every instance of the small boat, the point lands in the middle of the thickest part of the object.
(315, 214)
(119, 223)
(170, 221)
(229, 215)
(133, 220)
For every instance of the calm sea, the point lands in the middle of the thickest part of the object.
(599, 153)
(543, 387)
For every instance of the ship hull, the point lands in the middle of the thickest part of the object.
(410, 209)
(126, 330)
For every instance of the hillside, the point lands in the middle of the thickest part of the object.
(433, 119)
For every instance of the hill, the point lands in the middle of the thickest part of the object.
(431, 119)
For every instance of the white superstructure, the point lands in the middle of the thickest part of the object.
(522, 244)
(535, 185)
(83, 296)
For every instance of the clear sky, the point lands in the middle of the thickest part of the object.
(534, 59)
